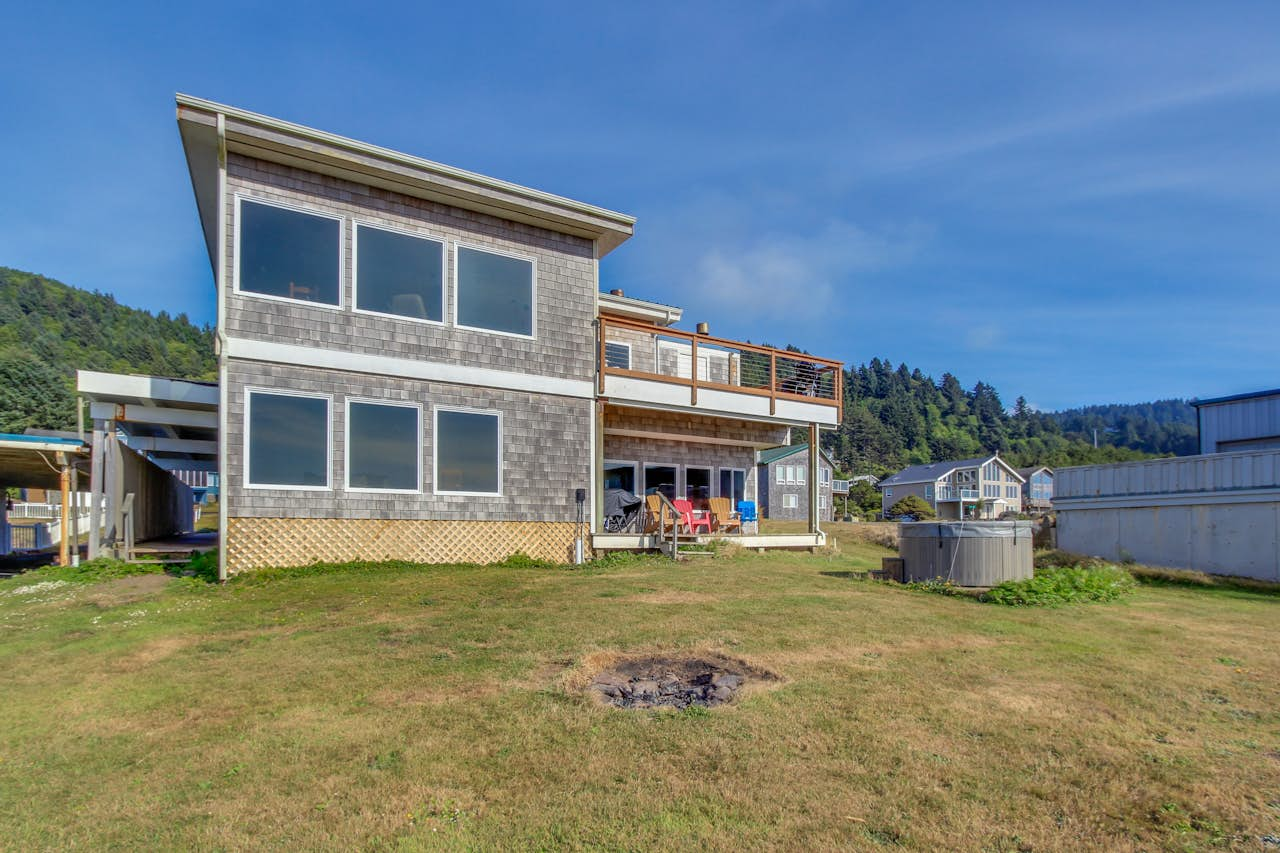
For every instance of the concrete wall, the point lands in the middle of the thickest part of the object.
(1216, 513)
(1252, 423)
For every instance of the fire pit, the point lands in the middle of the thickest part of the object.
(674, 682)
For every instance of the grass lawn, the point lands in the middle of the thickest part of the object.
(405, 707)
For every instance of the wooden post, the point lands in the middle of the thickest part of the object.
(600, 328)
(693, 372)
(814, 488)
(773, 383)
(64, 483)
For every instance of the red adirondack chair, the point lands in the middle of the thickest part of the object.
(691, 519)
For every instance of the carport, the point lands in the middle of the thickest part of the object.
(42, 462)
(144, 429)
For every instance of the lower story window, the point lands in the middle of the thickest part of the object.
(733, 484)
(468, 452)
(286, 440)
(384, 446)
(660, 479)
(790, 501)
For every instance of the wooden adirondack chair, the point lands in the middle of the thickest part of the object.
(723, 518)
(653, 512)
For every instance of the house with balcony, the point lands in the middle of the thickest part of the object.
(1037, 488)
(984, 487)
(416, 362)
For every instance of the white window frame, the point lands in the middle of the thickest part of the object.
(249, 391)
(686, 350)
(791, 501)
(822, 501)
(928, 492)
(888, 493)
(346, 434)
(435, 450)
(800, 475)
(342, 253)
(781, 477)
(608, 344)
(617, 463)
(644, 480)
(719, 471)
(824, 476)
(533, 305)
(356, 225)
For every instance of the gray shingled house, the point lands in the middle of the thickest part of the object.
(1037, 488)
(982, 487)
(416, 361)
(783, 490)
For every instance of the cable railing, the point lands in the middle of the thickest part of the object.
(638, 350)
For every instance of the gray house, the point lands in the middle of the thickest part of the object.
(783, 491)
(1239, 422)
(1037, 488)
(415, 361)
(982, 487)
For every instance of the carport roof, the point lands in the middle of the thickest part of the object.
(26, 460)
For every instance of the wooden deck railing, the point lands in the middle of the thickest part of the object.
(722, 365)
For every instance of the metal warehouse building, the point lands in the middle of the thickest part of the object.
(1218, 512)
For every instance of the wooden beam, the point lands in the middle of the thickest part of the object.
(64, 543)
(171, 445)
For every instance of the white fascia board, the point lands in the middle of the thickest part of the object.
(458, 374)
(95, 386)
(153, 415)
(640, 309)
(47, 447)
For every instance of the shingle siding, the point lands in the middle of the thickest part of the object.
(545, 445)
(772, 505)
(566, 280)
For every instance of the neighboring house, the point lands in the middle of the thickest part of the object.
(783, 490)
(415, 362)
(1239, 422)
(1037, 488)
(983, 487)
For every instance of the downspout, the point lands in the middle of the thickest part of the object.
(220, 347)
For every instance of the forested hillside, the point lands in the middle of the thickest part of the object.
(897, 417)
(48, 330)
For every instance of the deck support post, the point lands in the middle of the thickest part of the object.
(64, 484)
(814, 488)
(97, 488)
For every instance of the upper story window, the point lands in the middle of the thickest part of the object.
(286, 440)
(617, 355)
(494, 292)
(824, 476)
(285, 253)
(398, 274)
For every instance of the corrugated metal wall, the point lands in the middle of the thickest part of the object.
(1238, 420)
(1213, 473)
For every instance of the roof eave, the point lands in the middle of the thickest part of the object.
(295, 145)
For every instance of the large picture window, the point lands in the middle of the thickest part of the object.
(287, 440)
(384, 447)
(399, 274)
(468, 452)
(494, 292)
(288, 254)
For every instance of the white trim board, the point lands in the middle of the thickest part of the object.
(379, 365)
(681, 437)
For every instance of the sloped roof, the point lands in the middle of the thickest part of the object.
(1024, 473)
(932, 471)
(773, 454)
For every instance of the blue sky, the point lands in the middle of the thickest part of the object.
(1077, 203)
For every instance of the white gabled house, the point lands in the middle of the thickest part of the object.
(982, 487)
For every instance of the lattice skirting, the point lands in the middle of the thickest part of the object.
(253, 543)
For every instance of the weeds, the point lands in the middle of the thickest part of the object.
(1050, 587)
(91, 571)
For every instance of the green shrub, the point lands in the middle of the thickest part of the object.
(912, 505)
(1052, 586)
(204, 566)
